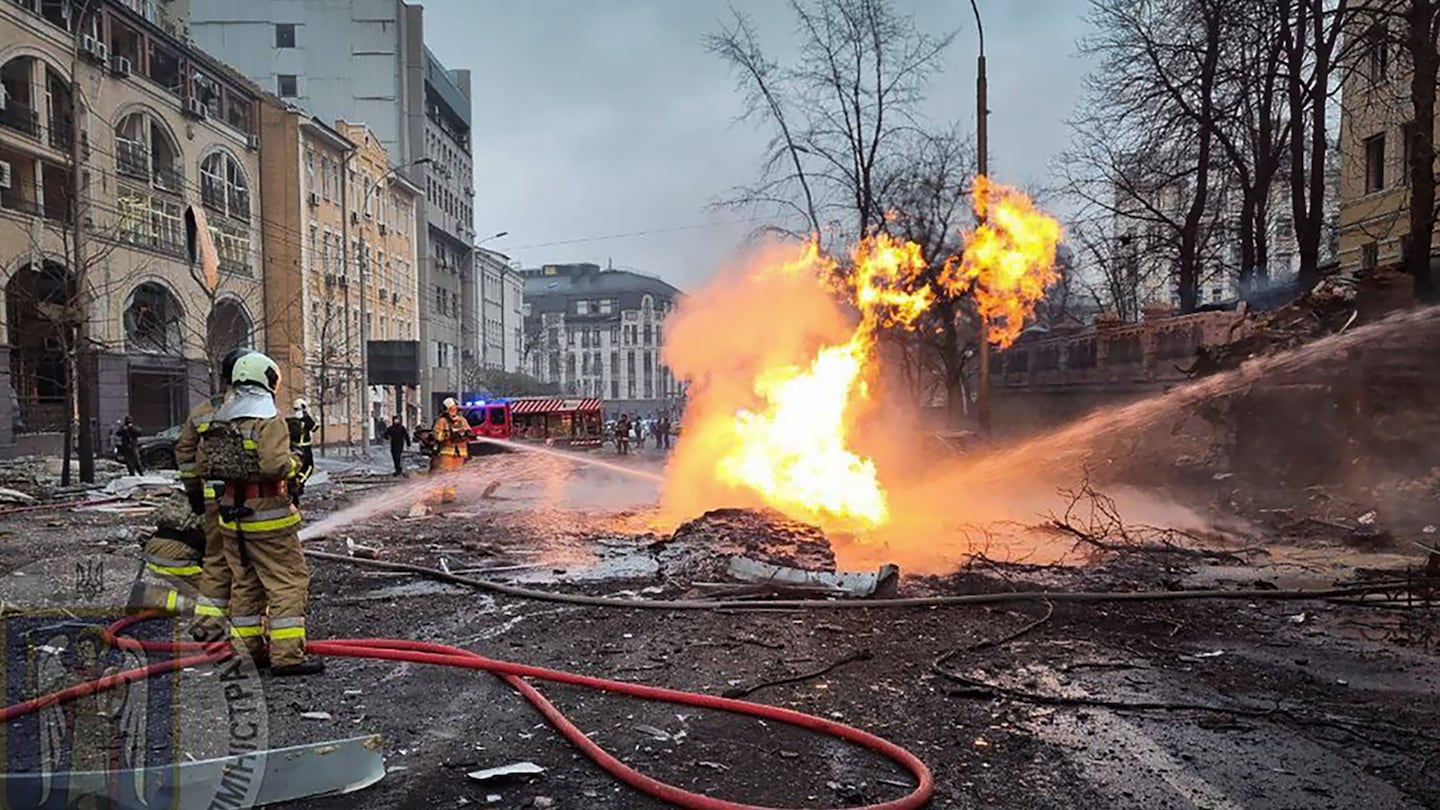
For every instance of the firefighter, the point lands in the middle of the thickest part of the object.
(214, 597)
(452, 446)
(248, 446)
(302, 435)
(128, 442)
(170, 575)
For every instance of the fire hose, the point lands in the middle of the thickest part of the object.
(190, 654)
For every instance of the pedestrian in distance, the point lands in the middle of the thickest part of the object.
(128, 440)
(399, 439)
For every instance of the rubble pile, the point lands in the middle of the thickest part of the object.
(1328, 307)
(701, 549)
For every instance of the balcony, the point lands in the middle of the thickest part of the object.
(132, 159)
(170, 179)
(20, 118)
(212, 194)
(61, 131)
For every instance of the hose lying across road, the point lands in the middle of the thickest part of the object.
(1252, 595)
(188, 654)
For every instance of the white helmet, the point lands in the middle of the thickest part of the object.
(301, 404)
(256, 369)
(449, 403)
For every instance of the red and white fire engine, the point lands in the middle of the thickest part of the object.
(553, 421)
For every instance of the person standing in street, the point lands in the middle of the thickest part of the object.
(204, 496)
(622, 435)
(399, 439)
(452, 435)
(248, 447)
(128, 438)
(302, 436)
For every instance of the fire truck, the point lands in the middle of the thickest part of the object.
(553, 421)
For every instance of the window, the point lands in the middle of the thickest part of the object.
(1369, 256)
(1377, 53)
(285, 85)
(1374, 163)
(582, 307)
(1215, 294)
(606, 305)
(285, 35)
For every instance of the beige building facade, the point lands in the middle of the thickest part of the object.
(161, 127)
(343, 268)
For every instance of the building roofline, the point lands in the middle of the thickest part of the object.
(318, 128)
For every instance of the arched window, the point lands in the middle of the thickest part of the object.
(154, 321)
(144, 150)
(223, 186)
(228, 327)
(35, 299)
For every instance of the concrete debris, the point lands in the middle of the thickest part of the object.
(542, 803)
(418, 510)
(15, 497)
(884, 581)
(517, 769)
(1367, 519)
(362, 552)
(316, 716)
(127, 486)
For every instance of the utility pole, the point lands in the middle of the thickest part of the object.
(79, 299)
(982, 168)
(345, 215)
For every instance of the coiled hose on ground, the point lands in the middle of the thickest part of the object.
(188, 654)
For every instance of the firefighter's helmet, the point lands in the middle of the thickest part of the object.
(449, 403)
(256, 369)
(301, 404)
(227, 363)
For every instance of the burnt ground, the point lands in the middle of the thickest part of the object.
(1255, 705)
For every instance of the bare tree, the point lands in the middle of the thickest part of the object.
(1146, 136)
(1311, 41)
(850, 155)
(842, 114)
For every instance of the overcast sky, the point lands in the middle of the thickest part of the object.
(599, 118)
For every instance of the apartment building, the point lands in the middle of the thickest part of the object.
(502, 302)
(366, 61)
(1375, 121)
(162, 128)
(599, 333)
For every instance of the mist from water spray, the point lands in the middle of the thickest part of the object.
(984, 503)
(542, 478)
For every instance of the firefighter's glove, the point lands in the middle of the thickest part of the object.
(197, 500)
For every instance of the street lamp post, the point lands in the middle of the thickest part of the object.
(484, 328)
(369, 418)
(982, 167)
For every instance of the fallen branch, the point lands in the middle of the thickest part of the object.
(740, 692)
(997, 642)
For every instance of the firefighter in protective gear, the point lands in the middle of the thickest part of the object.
(451, 434)
(213, 601)
(170, 573)
(302, 437)
(259, 523)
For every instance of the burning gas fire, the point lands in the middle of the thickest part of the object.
(775, 403)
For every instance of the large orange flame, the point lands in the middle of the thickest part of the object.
(781, 373)
(1009, 260)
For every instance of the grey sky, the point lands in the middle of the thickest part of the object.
(599, 118)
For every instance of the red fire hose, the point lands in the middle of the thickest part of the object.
(420, 652)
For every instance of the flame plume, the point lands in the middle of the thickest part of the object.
(781, 368)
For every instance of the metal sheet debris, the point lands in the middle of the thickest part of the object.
(517, 769)
(298, 772)
(885, 579)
